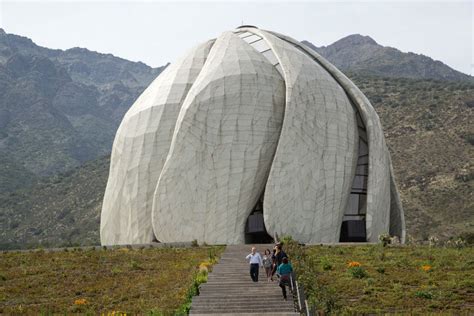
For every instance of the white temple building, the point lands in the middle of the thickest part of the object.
(246, 136)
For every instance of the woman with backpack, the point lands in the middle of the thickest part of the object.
(283, 271)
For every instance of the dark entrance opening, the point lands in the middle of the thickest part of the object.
(353, 228)
(353, 231)
(255, 231)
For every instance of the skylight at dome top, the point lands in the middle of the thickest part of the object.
(246, 136)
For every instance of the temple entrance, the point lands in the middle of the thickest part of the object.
(255, 231)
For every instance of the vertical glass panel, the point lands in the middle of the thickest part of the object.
(362, 170)
(271, 57)
(353, 218)
(280, 70)
(260, 45)
(360, 182)
(363, 148)
(359, 120)
(362, 203)
(251, 38)
(362, 134)
(353, 207)
(245, 34)
(363, 160)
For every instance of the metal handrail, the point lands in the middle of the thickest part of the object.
(298, 291)
(300, 308)
(291, 283)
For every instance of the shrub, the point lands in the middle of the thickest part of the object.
(199, 277)
(468, 237)
(433, 241)
(116, 270)
(326, 264)
(456, 243)
(212, 256)
(287, 239)
(395, 240)
(380, 270)
(424, 294)
(358, 272)
(135, 266)
(384, 239)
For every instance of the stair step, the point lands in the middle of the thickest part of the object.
(246, 314)
(248, 309)
(239, 306)
(232, 300)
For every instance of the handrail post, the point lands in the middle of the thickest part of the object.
(291, 283)
(307, 307)
(300, 308)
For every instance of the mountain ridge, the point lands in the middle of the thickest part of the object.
(73, 58)
(60, 108)
(359, 53)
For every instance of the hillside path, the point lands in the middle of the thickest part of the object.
(230, 290)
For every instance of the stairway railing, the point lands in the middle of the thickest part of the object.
(299, 295)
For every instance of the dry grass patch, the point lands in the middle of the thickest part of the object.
(99, 281)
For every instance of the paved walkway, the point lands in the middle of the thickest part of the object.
(230, 291)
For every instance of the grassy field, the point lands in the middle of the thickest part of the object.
(393, 279)
(154, 280)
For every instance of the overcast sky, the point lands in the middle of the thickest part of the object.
(158, 32)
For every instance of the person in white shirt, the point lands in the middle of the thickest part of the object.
(255, 261)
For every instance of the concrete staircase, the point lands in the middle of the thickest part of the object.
(230, 290)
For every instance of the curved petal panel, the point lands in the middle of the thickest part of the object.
(222, 148)
(140, 148)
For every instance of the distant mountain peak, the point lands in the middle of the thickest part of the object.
(362, 54)
(356, 39)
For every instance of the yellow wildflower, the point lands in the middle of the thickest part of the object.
(81, 301)
(426, 267)
(204, 266)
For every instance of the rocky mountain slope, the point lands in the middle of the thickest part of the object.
(58, 108)
(428, 127)
(362, 54)
(60, 210)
